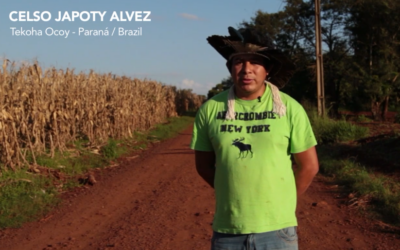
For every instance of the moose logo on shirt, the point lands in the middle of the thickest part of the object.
(242, 147)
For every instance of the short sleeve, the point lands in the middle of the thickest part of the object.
(301, 136)
(200, 139)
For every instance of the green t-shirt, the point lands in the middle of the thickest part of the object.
(254, 183)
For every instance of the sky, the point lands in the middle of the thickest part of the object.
(171, 48)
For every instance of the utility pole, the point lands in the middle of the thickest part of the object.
(319, 62)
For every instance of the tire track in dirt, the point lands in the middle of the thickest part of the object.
(157, 201)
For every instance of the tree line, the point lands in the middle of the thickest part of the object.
(361, 52)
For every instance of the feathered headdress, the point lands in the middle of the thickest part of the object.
(249, 41)
(244, 41)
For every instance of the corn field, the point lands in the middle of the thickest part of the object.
(43, 111)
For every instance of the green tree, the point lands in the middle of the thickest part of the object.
(289, 29)
(376, 44)
(225, 84)
(361, 47)
(361, 50)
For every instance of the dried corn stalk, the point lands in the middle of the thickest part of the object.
(42, 111)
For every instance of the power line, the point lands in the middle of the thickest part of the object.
(279, 9)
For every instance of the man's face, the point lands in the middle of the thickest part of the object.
(248, 74)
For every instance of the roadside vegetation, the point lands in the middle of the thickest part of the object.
(367, 166)
(56, 126)
(32, 191)
(371, 189)
(328, 131)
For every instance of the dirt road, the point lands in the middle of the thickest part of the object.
(157, 201)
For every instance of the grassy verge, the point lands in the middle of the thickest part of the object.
(366, 169)
(327, 130)
(379, 191)
(29, 193)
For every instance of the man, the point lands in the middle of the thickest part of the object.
(243, 140)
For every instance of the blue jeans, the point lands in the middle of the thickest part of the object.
(284, 239)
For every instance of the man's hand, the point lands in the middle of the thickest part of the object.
(307, 168)
(205, 165)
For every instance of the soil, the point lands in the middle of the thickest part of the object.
(157, 201)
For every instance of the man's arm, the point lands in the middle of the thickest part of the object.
(307, 168)
(205, 165)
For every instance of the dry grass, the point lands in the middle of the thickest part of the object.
(44, 111)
